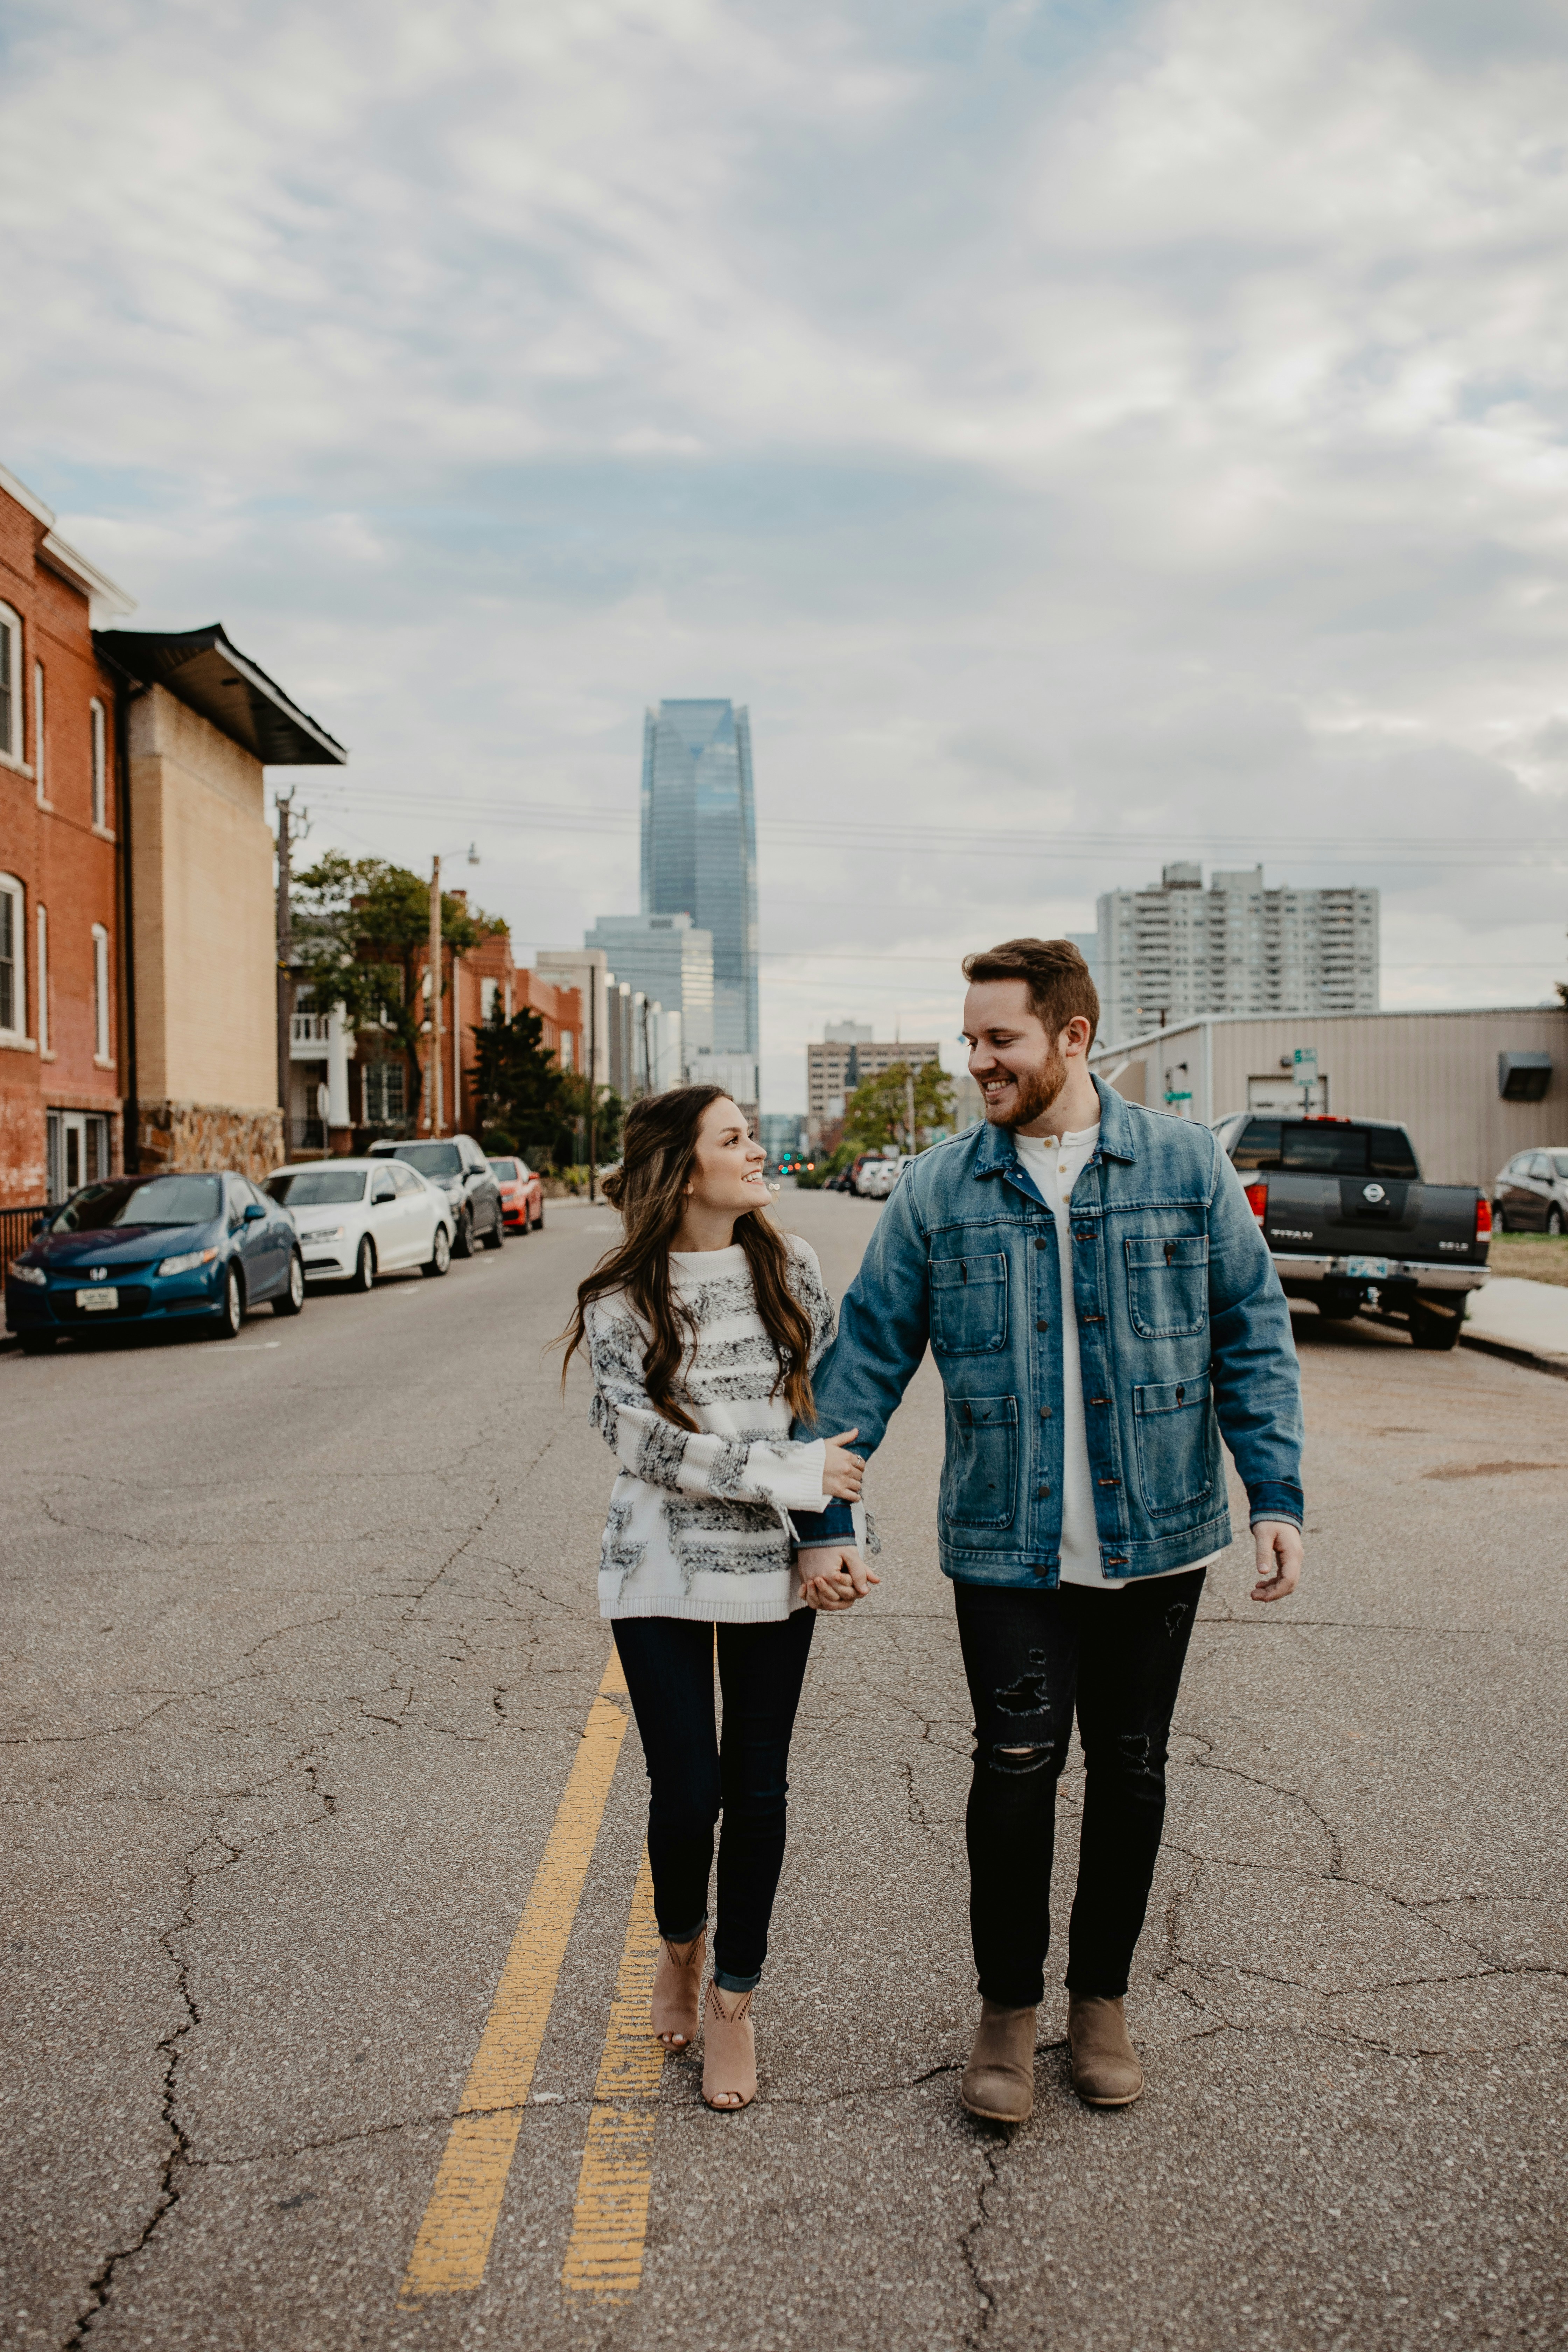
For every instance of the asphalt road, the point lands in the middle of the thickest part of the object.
(303, 1651)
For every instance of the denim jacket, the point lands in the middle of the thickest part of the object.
(1184, 1336)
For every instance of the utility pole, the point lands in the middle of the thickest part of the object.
(436, 1121)
(285, 948)
(909, 1095)
(592, 1073)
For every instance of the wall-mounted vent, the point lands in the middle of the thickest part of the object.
(1523, 1077)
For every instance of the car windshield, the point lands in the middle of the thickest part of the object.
(432, 1159)
(1559, 1160)
(1325, 1147)
(317, 1188)
(505, 1170)
(160, 1200)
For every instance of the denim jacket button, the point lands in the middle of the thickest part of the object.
(1041, 1324)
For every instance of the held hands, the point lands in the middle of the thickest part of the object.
(842, 1472)
(834, 1576)
(1278, 1545)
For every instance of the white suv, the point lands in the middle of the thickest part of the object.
(359, 1218)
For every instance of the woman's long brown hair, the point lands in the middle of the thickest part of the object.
(648, 1188)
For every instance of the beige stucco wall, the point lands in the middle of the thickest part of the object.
(205, 921)
(1437, 1072)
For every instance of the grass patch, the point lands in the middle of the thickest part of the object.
(1533, 1258)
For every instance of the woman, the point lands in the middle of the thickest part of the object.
(701, 1331)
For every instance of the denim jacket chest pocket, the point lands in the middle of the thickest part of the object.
(1167, 1284)
(969, 1304)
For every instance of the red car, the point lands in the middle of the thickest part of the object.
(521, 1196)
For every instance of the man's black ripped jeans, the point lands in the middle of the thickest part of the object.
(1030, 1657)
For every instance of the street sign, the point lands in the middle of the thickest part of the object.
(1304, 1066)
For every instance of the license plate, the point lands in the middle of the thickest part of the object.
(1372, 1269)
(98, 1302)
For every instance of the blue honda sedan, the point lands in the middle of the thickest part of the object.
(144, 1249)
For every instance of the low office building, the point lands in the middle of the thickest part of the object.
(847, 1055)
(1472, 1087)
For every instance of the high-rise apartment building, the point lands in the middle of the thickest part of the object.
(1177, 948)
(699, 849)
(671, 962)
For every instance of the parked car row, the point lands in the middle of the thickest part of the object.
(207, 1246)
(870, 1176)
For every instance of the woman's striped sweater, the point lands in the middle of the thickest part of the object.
(698, 1523)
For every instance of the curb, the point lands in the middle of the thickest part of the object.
(1556, 1366)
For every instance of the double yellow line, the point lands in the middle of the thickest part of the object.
(609, 2225)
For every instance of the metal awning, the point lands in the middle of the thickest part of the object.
(205, 671)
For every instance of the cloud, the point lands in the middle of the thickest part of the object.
(1144, 421)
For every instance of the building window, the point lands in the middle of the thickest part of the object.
(38, 728)
(13, 960)
(383, 1093)
(564, 1056)
(78, 1144)
(41, 977)
(489, 994)
(10, 685)
(99, 993)
(99, 765)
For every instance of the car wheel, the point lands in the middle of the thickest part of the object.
(1500, 1220)
(38, 1343)
(1555, 1220)
(293, 1298)
(463, 1241)
(496, 1237)
(364, 1275)
(440, 1257)
(539, 1221)
(231, 1314)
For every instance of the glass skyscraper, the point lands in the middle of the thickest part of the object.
(700, 848)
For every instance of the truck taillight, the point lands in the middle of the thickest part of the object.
(1483, 1220)
(1258, 1200)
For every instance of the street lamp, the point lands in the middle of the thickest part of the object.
(437, 1115)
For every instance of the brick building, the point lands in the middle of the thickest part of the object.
(61, 906)
(369, 1083)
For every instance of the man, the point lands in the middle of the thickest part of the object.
(1103, 1309)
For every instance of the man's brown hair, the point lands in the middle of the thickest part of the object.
(1053, 973)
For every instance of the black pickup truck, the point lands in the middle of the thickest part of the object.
(1350, 1225)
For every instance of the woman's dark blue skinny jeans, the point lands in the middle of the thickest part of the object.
(693, 1774)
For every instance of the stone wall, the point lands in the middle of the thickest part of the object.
(210, 1135)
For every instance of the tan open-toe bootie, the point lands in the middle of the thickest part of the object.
(729, 2051)
(676, 2001)
(999, 2080)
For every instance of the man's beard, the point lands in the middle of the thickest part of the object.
(1037, 1090)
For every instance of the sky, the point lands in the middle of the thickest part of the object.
(1083, 434)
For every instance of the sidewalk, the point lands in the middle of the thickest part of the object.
(1521, 1319)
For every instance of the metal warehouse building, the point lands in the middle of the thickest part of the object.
(1472, 1087)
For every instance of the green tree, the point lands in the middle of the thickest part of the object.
(878, 1115)
(529, 1104)
(362, 930)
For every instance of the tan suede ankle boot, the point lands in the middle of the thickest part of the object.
(677, 1992)
(1105, 2069)
(999, 2080)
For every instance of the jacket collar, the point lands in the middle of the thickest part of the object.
(998, 1154)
